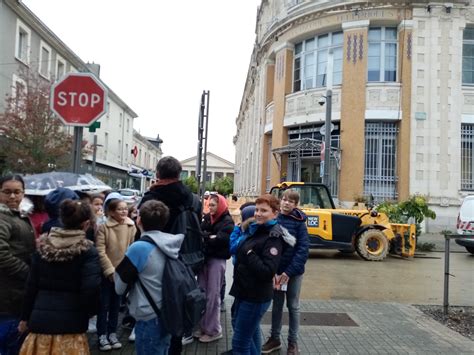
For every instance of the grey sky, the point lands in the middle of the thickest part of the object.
(159, 56)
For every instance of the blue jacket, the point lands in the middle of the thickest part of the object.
(294, 258)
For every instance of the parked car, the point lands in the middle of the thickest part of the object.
(130, 196)
(465, 224)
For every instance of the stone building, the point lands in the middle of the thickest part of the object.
(402, 100)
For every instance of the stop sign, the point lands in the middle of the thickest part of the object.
(79, 99)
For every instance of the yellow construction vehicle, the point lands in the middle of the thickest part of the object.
(367, 231)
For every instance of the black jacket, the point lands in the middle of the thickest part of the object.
(62, 290)
(254, 271)
(174, 196)
(217, 247)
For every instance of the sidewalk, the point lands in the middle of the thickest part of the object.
(438, 240)
(347, 327)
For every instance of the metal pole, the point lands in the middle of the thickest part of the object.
(94, 154)
(204, 170)
(446, 274)
(199, 145)
(77, 156)
(327, 135)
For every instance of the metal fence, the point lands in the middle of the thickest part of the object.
(467, 157)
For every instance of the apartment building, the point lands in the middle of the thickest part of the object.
(402, 85)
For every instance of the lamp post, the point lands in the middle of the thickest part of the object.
(327, 134)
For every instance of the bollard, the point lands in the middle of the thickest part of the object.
(446, 274)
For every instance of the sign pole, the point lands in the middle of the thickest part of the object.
(327, 137)
(94, 154)
(77, 150)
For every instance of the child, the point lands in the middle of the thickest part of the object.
(113, 239)
(144, 261)
(97, 203)
(62, 285)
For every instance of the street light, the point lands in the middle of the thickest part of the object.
(327, 134)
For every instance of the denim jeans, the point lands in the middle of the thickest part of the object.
(151, 337)
(107, 318)
(246, 323)
(293, 304)
(10, 339)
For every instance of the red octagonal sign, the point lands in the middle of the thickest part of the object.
(79, 99)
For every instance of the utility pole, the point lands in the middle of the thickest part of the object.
(327, 134)
(201, 158)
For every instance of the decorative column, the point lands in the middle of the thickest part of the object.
(353, 106)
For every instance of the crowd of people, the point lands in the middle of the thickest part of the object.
(72, 265)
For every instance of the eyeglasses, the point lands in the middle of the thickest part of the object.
(9, 192)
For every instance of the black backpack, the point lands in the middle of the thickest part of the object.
(183, 302)
(187, 222)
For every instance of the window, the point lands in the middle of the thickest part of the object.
(218, 175)
(108, 109)
(106, 144)
(127, 153)
(311, 59)
(128, 124)
(184, 175)
(44, 66)
(467, 156)
(23, 42)
(468, 56)
(120, 119)
(60, 67)
(382, 58)
(380, 160)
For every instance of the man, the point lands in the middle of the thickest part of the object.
(174, 194)
(144, 261)
(289, 275)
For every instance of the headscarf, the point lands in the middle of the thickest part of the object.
(221, 207)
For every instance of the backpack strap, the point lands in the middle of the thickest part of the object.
(144, 289)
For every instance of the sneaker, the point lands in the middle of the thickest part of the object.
(292, 349)
(114, 342)
(210, 338)
(271, 345)
(198, 333)
(104, 344)
(92, 328)
(131, 337)
(187, 339)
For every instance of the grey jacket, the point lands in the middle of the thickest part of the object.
(145, 261)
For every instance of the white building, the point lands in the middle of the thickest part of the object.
(402, 100)
(216, 168)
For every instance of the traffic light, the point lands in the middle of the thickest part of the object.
(94, 126)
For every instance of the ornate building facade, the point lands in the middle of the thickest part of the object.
(402, 84)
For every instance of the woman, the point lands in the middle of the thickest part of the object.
(256, 263)
(17, 244)
(217, 227)
(62, 287)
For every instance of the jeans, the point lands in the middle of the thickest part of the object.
(293, 304)
(10, 339)
(107, 318)
(210, 279)
(246, 323)
(151, 337)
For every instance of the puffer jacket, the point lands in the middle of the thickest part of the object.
(62, 290)
(217, 247)
(294, 258)
(112, 241)
(17, 244)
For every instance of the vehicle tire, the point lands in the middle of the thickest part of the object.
(372, 245)
(470, 249)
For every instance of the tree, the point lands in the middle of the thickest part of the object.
(224, 185)
(191, 182)
(35, 140)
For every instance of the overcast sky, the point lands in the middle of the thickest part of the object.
(158, 57)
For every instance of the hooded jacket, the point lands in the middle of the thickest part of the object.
(173, 195)
(219, 226)
(17, 244)
(145, 261)
(52, 201)
(62, 290)
(294, 258)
